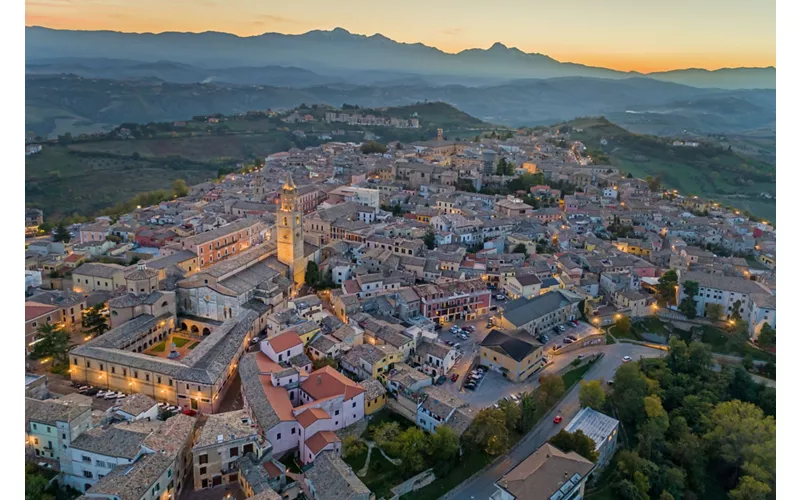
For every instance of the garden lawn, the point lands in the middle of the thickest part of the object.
(159, 347)
(382, 475)
(192, 346)
(180, 341)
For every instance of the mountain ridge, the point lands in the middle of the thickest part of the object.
(338, 50)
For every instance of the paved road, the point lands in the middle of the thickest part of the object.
(481, 486)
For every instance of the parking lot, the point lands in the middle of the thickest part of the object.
(494, 386)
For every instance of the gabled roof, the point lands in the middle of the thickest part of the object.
(320, 440)
(327, 382)
(311, 415)
(544, 472)
(284, 341)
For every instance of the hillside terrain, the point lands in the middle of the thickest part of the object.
(86, 176)
(710, 170)
(56, 104)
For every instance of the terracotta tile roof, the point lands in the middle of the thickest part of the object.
(311, 415)
(266, 365)
(320, 440)
(327, 382)
(278, 398)
(34, 309)
(284, 341)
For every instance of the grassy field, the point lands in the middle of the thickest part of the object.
(192, 346)
(159, 347)
(710, 170)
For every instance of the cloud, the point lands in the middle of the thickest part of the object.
(452, 31)
(273, 19)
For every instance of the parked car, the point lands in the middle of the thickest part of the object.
(626, 359)
(450, 343)
(111, 395)
(514, 398)
(574, 338)
(457, 345)
(470, 385)
(561, 328)
(437, 327)
(462, 336)
(482, 369)
(440, 380)
(567, 340)
(454, 377)
(92, 391)
(82, 389)
(454, 329)
(558, 419)
(470, 328)
(500, 296)
(102, 394)
(190, 412)
(573, 322)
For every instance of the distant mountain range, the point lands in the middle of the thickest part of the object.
(329, 57)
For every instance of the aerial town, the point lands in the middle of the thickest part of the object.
(341, 322)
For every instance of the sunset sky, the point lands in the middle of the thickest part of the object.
(641, 35)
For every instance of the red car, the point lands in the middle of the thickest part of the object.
(190, 412)
(454, 377)
(558, 419)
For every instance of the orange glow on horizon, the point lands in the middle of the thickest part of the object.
(625, 35)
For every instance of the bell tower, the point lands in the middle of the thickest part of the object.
(290, 229)
(259, 186)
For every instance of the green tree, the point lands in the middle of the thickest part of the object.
(527, 407)
(520, 248)
(443, 446)
(630, 388)
(430, 240)
(736, 315)
(511, 412)
(591, 394)
(312, 273)
(36, 485)
(551, 388)
(352, 446)
(688, 305)
(714, 311)
(179, 188)
(488, 431)
(62, 235)
(410, 446)
(373, 147)
(93, 321)
(766, 337)
(52, 342)
(666, 286)
(386, 433)
(623, 325)
(576, 441)
(745, 439)
(748, 488)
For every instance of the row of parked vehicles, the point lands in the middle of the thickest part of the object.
(475, 377)
(89, 390)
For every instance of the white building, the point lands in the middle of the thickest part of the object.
(601, 428)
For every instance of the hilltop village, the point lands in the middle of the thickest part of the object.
(254, 334)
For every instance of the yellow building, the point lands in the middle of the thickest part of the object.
(633, 247)
(768, 260)
(529, 167)
(368, 361)
(515, 358)
(374, 396)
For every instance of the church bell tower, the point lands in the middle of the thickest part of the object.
(290, 230)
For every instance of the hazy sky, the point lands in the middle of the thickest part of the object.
(642, 35)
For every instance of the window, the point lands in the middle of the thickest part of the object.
(248, 448)
(203, 459)
(86, 460)
(337, 412)
(202, 471)
(278, 436)
(87, 474)
(147, 377)
(234, 452)
(293, 429)
(99, 463)
(34, 426)
(354, 404)
(113, 370)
